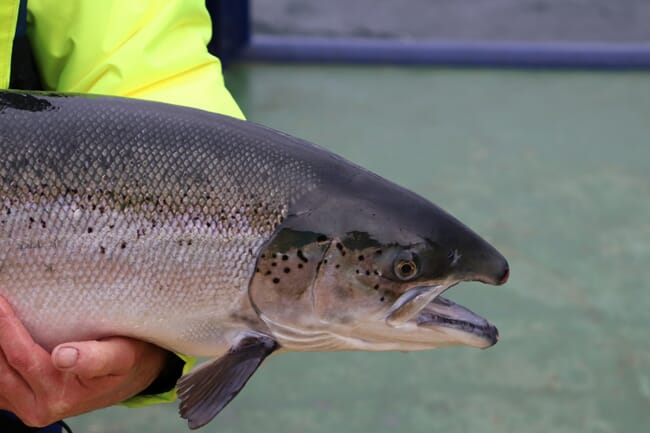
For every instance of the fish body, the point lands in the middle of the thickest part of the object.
(211, 236)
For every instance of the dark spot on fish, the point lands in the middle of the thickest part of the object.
(180, 243)
(299, 265)
(123, 245)
(378, 252)
(337, 266)
(49, 268)
(301, 256)
(90, 229)
(382, 299)
(368, 273)
(102, 249)
(375, 272)
(285, 257)
(267, 273)
(274, 255)
(325, 261)
(250, 251)
(339, 246)
(111, 226)
(376, 287)
(208, 224)
(273, 264)
(43, 224)
(287, 270)
(361, 258)
(357, 271)
(276, 280)
(257, 270)
(263, 256)
(321, 238)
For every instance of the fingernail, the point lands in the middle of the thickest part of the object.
(66, 357)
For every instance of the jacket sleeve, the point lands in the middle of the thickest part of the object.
(165, 397)
(147, 49)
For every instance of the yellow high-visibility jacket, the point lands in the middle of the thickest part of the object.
(147, 49)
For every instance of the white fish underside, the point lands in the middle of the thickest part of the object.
(176, 285)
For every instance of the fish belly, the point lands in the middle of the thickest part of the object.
(168, 286)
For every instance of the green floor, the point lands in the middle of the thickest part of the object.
(554, 169)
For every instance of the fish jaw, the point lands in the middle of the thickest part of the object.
(445, 317)
(431, 313)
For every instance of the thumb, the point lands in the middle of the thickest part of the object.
(89, 359)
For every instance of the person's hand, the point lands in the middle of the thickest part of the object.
(41, 388)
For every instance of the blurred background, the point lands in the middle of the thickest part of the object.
(517, 20)
(549, 162)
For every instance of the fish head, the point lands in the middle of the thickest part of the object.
(364, 267)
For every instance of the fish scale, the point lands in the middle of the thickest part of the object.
(156, 221)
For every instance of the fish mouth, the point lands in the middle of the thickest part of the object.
(444, 315)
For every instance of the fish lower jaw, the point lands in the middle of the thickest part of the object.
(440, 324)
(443, 315)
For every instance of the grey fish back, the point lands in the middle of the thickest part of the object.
(119, 218)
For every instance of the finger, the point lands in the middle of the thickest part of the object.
(13, 385)
(90, 359)
(21, 353)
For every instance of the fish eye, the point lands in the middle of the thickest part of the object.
(405, 269)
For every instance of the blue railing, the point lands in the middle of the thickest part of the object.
(448, 53)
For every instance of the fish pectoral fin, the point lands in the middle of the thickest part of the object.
(204, 392)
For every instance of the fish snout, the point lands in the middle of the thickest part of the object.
(505, 275)
(493, 270)
(480, 261)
